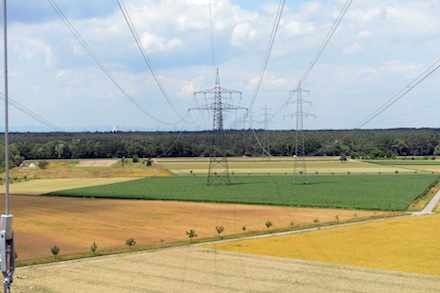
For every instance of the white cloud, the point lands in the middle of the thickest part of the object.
(188, 88)
(30, 49)
(61, 74)
(352, 49)
(379, 47)
(242, 34)
(153, 43)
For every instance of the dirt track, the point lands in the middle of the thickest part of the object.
(96, 163)
(197, 269)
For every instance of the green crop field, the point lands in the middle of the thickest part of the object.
(375, 192)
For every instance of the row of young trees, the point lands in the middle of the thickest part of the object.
(355, 143)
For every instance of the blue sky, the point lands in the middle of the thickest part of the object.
(379, 48)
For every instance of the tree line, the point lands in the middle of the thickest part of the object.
(372, 144)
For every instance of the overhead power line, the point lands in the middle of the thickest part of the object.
(318, 54)
(410, 112)
(212, 37)
(430, 70)
(419, 79)
(146, 59)
(31, 114)
(99, 63)
(263, 70)
(268, 52)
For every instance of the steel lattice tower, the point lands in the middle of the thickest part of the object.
(266, 121)
(218, 164)
(299, 165)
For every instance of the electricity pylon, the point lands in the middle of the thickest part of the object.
(218, 164)
(299, 165)
(266, 120)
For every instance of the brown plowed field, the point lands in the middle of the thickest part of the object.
(74, 224)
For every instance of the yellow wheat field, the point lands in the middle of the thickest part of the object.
(278, 166)
(410, 244)
(42, 186)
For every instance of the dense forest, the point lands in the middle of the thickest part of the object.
(354, 143)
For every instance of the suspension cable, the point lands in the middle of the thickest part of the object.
(100, 64)
(32, 114)
(146, 59)
(318, 54)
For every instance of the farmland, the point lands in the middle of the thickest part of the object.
(374, 192)
(279, 166)
(407, 245)
(196, 269)
(75, 222)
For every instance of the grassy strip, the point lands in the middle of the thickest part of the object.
(372, 192)
(404, 162)
(425, 197)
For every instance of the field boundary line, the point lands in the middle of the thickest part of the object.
(303, 230)
(429, 208)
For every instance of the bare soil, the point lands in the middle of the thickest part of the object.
(73, 224)
(96, 163)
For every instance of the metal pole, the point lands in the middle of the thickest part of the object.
(7, 244)
(5, 54)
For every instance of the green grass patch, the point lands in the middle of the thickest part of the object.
(373, 192)
(405, 163)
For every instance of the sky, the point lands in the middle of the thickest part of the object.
(379, 48)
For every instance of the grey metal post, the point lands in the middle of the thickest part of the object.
(5, 53)
(7, 253)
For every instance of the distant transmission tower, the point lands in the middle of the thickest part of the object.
(299, 165)
(218, 164)
(248, 119)
(266, 120)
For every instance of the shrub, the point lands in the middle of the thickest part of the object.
(135, 158)
(191, 234)
(43, 164)
(93, 247)
(130, 242)
(219, 229)
(268, 224)
(55, 250)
